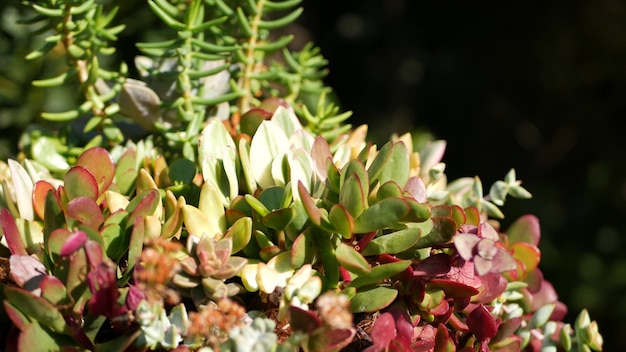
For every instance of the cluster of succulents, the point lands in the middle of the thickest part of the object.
(272, 228)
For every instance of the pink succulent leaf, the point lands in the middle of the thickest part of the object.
(525, 229)
(303, 320)
(26, 271)
(333, 340)
(435, 265)
(546, 295)
(402, 320)
(487, 249)
(75, 242)
(11, 233)
(482, 266)
(482, 323)
(507, 328)
(465, 243)
(503, 261)
(494, 285)
(416, 188)
(464, 272)
(103, 286)
(452, 288)
(487, 231)
(134, 297)
(94, 252)
(384, 330)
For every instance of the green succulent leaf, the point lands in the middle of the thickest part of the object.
(372, 299)
(342, 221)
(37, 308)
(100, 164)
(393, 243)
(303, 250)
(34, 336)
(278, 219)
(386, 213)
(379, 273)
(79, 182)
(352, 260)
(353, 196)
(240, 233)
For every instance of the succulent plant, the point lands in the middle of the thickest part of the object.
(250, 220)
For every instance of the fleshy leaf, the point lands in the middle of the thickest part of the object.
(380, 272)
(385, 213)
(352, 260)
(11, 233)
(86, 211)
(341, 220)
(268, 142)
(393, 243)
(372, 299)
(100, 164)
(79, 182)
(40, 192)
(384, 330)
(37, 308)
(482, 323)
(525, 229)
(23, 186)
(240, 233)
(26, 271)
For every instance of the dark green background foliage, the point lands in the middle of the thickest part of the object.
(535, 86)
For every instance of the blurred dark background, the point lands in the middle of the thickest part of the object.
(537, 86)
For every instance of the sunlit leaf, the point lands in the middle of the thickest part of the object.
(372, 299)
(393, 243)
(384, 213)
(352, 260)
(268, 142)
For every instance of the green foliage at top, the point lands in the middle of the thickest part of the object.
(244, 208)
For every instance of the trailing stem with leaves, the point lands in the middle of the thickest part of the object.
(247, 215)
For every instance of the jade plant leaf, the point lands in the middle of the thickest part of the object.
(144, 204)
(353, 197)
(278, 219)
(397, 166)
(33, 337)
(303, 250)
(372, 299)
(210, 205)
(26, 271)
(182, 171)
(352, 260)
(252, 119)
(79, 182)
(240, 233)
(341, 220)
(37, 308)
(393, 243)
(11, 233)
(53, 290)
(100, 164)
(86, 211)
(40, 192)
(385, 213)
(525, 229)
(482, 323)
(380, 272)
